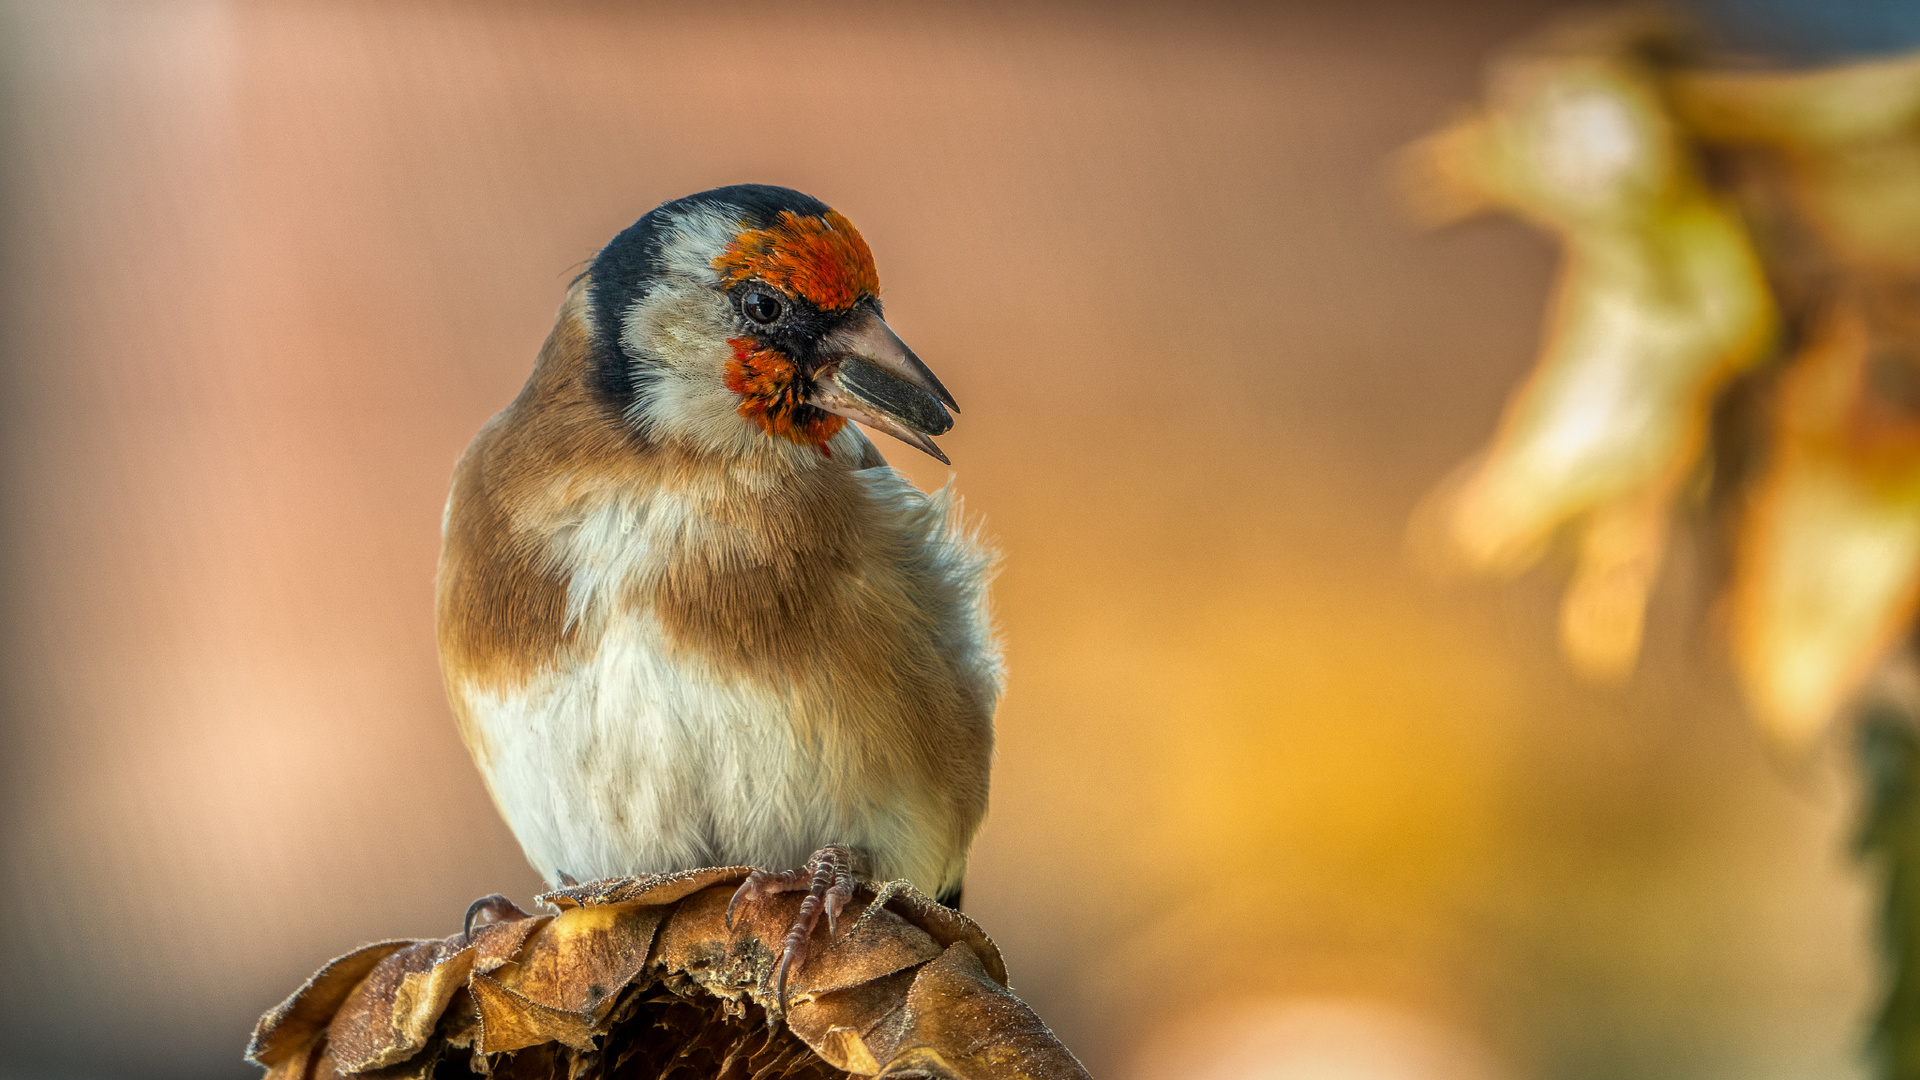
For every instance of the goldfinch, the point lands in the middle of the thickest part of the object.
(687, 614)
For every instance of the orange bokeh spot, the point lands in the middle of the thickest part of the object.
(821, 258)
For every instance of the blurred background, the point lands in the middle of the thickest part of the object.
(1268, 802)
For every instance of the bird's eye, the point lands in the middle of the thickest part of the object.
(761, 307)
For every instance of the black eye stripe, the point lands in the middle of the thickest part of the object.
(799, 330)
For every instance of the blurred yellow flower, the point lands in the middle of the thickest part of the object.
(1850, 138)
(1828, 563)
(1828, 557)
(1598, 136)
(1661, 299)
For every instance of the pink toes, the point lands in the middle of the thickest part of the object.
(829, 879)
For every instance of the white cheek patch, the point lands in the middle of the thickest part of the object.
(679, 332)
(680, 325)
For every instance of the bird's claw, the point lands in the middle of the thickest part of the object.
(828, 879)
(488, 910)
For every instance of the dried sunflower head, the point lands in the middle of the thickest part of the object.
(642, 978)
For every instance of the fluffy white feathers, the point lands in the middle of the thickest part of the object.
(640, 757)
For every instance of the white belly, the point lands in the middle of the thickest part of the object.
(637, 761)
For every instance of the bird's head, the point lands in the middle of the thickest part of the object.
(747, 318)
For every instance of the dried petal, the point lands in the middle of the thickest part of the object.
(512, 1021)
(645, 973)
(293, 1025)
(389, 1016)
(578, 961)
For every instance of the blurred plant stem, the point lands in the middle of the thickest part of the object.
(1887, 745)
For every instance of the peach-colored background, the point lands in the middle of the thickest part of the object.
(1262, 790)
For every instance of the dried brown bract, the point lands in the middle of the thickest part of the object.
(642, 978)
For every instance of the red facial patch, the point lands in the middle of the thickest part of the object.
(820, 258)
(769, 387)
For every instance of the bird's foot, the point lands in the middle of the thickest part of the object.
(828, 879)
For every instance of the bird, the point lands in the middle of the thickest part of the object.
(687, 614)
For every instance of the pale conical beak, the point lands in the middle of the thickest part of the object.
(872, 377)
